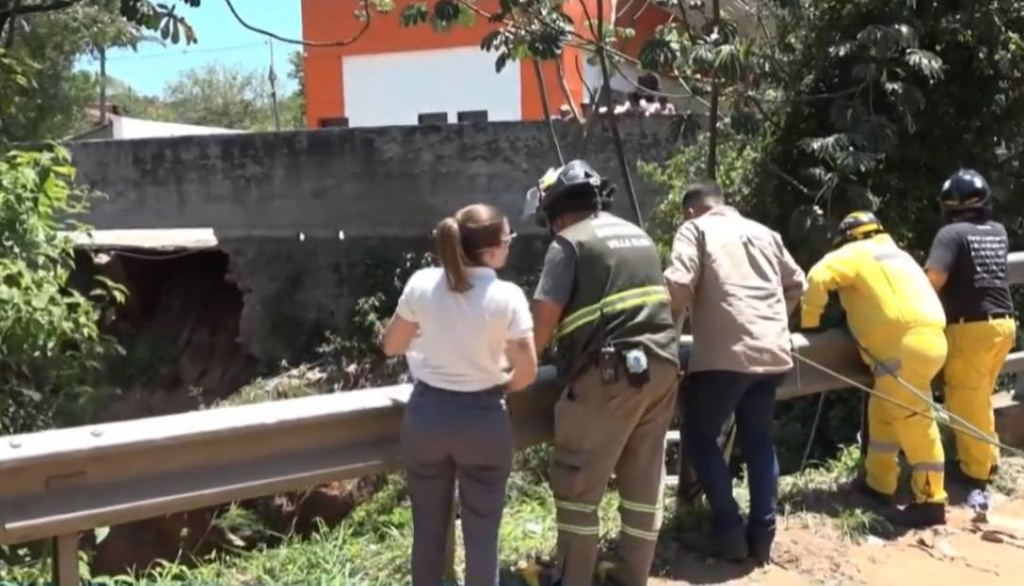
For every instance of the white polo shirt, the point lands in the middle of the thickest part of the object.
(461, 346)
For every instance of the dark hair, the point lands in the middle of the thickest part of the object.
(709, 192)
(460, 238)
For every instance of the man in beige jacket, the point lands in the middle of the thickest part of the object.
(740, 284)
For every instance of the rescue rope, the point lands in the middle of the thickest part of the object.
(817, 415)
(950, 420)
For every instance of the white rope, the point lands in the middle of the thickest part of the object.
(939, 414)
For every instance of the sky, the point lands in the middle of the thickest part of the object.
(221, 39)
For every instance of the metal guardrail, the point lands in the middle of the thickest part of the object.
(60, 483)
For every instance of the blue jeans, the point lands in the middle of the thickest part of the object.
(711, 398)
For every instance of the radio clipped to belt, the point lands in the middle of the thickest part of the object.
(637, 372)
(610, 361)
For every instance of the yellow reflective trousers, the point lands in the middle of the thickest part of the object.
(602, 429)
(900, 419)
(977, 351)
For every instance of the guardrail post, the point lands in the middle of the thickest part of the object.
(450, 577)
(65, 560)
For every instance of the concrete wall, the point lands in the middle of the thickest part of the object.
(385, 188)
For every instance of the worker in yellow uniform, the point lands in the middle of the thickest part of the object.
(968, 266)
(898, 322)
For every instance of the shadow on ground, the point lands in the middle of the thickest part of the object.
(858, 515)
(816, 492)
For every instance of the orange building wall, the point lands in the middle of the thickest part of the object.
(330, 21)
(644, 18)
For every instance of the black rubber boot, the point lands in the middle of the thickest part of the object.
(861, 486)
(759, 544)
(919, 515)
(731, 546)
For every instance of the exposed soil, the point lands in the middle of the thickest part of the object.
(811, 550)
(179, 326)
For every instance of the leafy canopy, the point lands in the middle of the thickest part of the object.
(51, 345)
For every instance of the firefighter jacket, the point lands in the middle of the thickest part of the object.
(883, 290)
(619, 296)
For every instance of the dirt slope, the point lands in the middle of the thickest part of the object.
(813, 551)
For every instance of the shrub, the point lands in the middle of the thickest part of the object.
(51, 344)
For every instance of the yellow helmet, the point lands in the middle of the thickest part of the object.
(857, 226)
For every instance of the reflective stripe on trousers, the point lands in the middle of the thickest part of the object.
(900, 418)
(601, 429)
(611, 304)
(640, 520)
(582, 519)
(894, 449)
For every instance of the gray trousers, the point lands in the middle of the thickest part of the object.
(448, 435)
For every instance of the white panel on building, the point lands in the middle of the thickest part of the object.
(395, 88)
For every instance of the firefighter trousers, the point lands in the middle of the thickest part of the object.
(977, 351)
(900, 419)
(602, 429)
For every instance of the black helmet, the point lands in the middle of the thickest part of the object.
(575, 186)
(857, 226)
(965, 190)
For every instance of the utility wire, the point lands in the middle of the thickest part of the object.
(181, 52)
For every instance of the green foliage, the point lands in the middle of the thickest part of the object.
(371, 313)
(162, 17)
(146, 14)
(294, 107)
(220, 95)
(51, 344)
(880, 101)
(44, 96)
(736, 166)
(441, 17)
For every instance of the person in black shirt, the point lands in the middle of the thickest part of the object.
(967, 266)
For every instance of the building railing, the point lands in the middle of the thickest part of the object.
(58, 484)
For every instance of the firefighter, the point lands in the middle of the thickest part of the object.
(897, 320)
(601, 299)
(967, 265)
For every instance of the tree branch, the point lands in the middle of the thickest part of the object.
(10, 10)
(20, 9)
(365, 7)
(564, 86)
(612, 122)
(9, 24)
(542, 87)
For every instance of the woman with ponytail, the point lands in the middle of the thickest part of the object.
(474, 343)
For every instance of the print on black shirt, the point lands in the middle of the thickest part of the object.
(988, 251)
(974, 256)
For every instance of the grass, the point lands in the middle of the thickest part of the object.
(371, 547)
